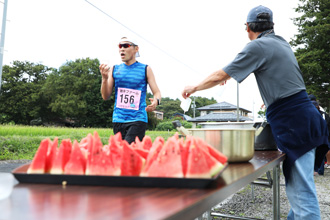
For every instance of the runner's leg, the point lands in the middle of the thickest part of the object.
(119, 127)
(135, 129)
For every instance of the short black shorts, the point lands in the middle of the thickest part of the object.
(130, 130)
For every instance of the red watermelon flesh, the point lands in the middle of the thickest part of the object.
(142, 152)
(131, 163)
(213, 152)
(102, 164)
(159, 139)
(176, 135)
(168, 162)
(116, 150)
(97, 143)
(146, 142)
(197, 166)
(200, 164)
(137, 143)
(94, 156)
(153, 154)
(84, 142)
(184, 148)
(77, 162)
(39, 160)
(62, 157)
(51, 154)
(214, 165)
(118, 137)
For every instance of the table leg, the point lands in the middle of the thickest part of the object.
(276, 192)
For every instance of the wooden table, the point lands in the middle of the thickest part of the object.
(51, 201)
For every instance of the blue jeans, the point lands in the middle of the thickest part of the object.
(301, 190)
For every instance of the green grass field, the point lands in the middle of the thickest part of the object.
(21, 142)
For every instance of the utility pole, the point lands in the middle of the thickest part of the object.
(3, 34)
(194, 106)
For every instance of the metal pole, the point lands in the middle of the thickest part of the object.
(194, 105)
(237, 102)
(276, 193)
(3, 33)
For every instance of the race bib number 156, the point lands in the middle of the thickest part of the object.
(128, 98)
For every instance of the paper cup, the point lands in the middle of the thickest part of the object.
(185, 104)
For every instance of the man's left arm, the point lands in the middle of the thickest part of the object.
(155, 90)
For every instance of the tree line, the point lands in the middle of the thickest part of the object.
(34, 94)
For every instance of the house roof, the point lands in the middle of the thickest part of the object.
(219, 117)
(221, 106)
(185, 117)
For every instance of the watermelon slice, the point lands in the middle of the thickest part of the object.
(94, 155)
(62, 157)
(51, 154)
(200, 164)
(168, 162)
(131, 163)
(116, 149)
(146, 143)
(39, 160)
(77, 161)
(137, 143)
(153, 154)
(142, 152)
(214, 152)
(184, 148)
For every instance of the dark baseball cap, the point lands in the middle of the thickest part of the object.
(255, 15)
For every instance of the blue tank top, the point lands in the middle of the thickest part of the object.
(130, 80)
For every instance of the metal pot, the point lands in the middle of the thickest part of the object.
(236, 144)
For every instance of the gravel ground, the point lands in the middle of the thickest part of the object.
(242, 203)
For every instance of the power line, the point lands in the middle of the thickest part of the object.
(141, 37)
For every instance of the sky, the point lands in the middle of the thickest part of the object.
(183, 41)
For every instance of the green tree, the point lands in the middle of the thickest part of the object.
(313, 46)
(74, 93)
(169, 107)
(21, 99)
(200, 102)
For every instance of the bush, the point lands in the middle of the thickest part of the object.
(168, 126)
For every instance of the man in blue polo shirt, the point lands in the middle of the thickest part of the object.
(297, 126)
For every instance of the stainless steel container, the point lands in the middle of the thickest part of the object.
(236, 144)
(227, 125)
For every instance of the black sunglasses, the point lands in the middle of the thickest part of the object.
(125, 45)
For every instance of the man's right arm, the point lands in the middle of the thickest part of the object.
(107, 81)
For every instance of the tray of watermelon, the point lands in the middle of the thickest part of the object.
(178, 162)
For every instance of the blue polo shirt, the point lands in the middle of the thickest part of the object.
(274, 65)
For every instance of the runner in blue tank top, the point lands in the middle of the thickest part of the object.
(129, 79)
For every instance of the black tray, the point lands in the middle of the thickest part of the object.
(119, 181)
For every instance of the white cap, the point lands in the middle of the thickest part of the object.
(133, 41)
